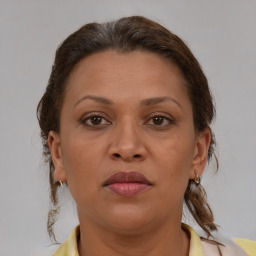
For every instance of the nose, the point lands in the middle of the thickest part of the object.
(127, 142)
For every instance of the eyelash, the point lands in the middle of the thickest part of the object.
(84, 119)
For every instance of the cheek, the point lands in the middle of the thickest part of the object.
(81, 164)
(80, 151)
(174, 158)
(176, 151)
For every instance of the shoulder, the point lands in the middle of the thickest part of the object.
(69, 247)
(231, 247)
(248, 246)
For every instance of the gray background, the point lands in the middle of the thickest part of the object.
(222, 36)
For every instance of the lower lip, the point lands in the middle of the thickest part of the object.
(127, 189)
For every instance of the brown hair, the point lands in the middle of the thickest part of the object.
(126, 35)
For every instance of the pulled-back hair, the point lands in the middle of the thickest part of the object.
(126, 35)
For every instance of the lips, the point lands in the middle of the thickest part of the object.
(127, 183)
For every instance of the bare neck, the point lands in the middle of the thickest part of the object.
(165, 241)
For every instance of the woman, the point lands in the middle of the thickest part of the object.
(125, 122)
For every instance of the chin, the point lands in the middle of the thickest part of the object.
(128, 220)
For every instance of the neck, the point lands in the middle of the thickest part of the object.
(165, 241)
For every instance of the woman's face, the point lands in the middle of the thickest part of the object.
(127, 115)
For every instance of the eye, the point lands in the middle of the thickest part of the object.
(94, 120)
(160, 120)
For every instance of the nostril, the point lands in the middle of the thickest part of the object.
(118, 155)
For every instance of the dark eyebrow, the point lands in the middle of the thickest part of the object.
(96, 98)
(156, 100)
(145, 102)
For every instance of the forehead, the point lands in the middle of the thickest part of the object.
(137, 62)
(117, 75)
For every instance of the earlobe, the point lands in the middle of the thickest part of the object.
(54, 144)
(200, 153)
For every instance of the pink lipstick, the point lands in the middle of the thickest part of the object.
(127, 183)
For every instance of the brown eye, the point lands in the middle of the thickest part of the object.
(158, 120)
(161, 121)
(94, 120)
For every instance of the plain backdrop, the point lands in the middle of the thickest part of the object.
(222, 36)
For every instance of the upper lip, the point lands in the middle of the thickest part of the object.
(127, 177)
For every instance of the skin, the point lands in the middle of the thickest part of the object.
(127, 137)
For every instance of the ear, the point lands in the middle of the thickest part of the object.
(54, 144)
(200, 153)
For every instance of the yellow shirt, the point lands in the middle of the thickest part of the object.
(197, 247)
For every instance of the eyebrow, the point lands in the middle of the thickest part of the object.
(145, 102)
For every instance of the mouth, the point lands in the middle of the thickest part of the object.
(127, 183)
